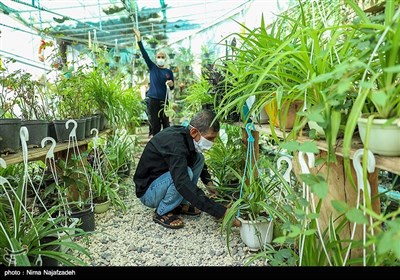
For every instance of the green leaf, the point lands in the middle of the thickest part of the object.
(317, 117)
(392, 69)
(344, 85)
(339, 205)
(299, 212)
(385, 243)
(396, 247)
(313, 216)
(320, 189)
(287, 208)
(295, 231)
(309, 147)
(356, 216)
(317, 184)
(290, 146)
(280, 240)
(390, 240)
(366, 85)
(303, 202)
(310, 232)
(309, 179)
(379, 97)
(286, 253)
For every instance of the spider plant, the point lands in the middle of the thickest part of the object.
(378, 88)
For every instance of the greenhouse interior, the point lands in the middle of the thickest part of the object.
(225, 133)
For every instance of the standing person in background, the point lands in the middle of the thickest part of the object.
(160, 76)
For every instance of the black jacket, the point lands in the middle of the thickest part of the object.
(172, 149)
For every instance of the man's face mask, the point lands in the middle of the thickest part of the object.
(203, 144)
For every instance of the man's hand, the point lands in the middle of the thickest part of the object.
(137, 33)
(236, 222)
(170, 83)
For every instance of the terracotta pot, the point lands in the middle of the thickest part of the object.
(286, 122)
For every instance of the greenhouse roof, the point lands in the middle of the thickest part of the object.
(111, 20)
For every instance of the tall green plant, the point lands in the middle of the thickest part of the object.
(378, 88)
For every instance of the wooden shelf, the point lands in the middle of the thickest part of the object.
(391, 164)
(40, 153)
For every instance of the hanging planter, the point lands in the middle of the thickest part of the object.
(384, 139)
(86, 216)
(153, 45)
(255, 234)
(153, 42)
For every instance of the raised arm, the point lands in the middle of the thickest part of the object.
(145, 55)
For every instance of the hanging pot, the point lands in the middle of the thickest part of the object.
(255, 234)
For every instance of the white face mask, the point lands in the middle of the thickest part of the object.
(203, 145)
(160, 61)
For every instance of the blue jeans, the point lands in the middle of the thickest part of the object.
(162, 193)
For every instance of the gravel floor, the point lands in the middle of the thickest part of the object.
(133, 239)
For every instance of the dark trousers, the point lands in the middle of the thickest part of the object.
(157, 116)
(147, 100)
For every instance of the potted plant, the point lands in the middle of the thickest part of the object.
(262, 69)
(198, 95)
(225, 161)
(153, 42)
(184, 61)
(22, 235)
(9, 122)
(76, 187)
(73, 102)
(34, 106)
(105, 188)
(378, 89)
(252, 209)
(119, 150)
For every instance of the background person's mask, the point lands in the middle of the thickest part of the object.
(160, 61)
